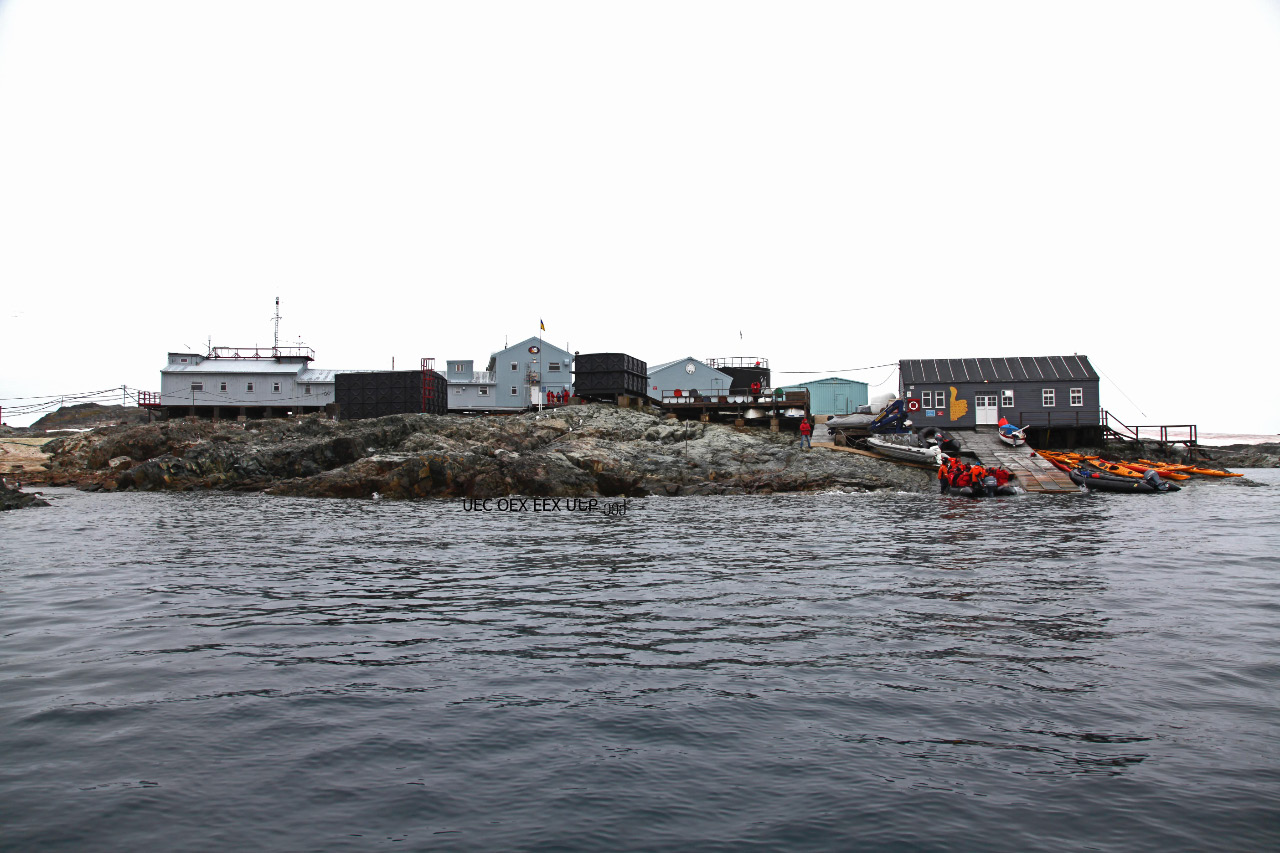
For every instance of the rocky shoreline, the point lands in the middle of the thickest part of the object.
(580, 451)
(591, 450)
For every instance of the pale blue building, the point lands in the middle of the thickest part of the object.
(516, 378)
(833, 396)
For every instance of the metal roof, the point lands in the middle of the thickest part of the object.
(234, 365)
(829, 379)
(922, 371)
(654, 368)
(317, 376)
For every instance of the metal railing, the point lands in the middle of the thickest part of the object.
(1188, 434)
(263, 352)
(738, 361)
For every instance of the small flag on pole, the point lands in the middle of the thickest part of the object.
(541, 324)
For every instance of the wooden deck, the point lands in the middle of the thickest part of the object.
(1034, 472)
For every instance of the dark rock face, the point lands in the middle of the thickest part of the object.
(11, 497)
(575, 452)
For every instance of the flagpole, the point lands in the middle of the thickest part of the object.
(540, 388)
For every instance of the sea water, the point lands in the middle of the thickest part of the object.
(878, 671)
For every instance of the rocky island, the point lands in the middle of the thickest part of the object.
(577, 451)
(587, 450)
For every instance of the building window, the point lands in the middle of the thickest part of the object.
(515, 365)
(457, 389)
(553, 366)
(183, 360)
(1006, 399)
(1077, 396)
(275, 387)
(197, 386)
(457, 368)
(306, 389)
(514, 391)
(1047, 398)
(222, 386)
(249, 387)
(926, 399)
(484, 392)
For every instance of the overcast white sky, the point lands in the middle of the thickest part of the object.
(829, 185)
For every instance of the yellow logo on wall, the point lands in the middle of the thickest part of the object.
(959, 408)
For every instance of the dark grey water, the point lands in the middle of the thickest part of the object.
(830, 672)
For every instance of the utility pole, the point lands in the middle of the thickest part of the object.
(275, 340)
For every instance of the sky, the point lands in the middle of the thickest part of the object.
(830, 186)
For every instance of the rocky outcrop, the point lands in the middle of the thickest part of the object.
(574, 452)
(12, 497)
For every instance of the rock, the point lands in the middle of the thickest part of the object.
(584, 451)
(12, 497)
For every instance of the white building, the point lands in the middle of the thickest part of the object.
(253, 382)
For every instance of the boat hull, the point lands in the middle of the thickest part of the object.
(905, 453)
(1096, 481)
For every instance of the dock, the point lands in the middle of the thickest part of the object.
(1034, 472)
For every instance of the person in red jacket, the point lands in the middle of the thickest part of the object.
(805, 432)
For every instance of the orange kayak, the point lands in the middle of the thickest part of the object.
(1113, 468)
(1165, 473)
(1213, 472)
(1166, 466)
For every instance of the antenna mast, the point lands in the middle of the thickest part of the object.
(275, 341)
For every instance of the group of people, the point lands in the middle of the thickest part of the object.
(954, 474)
(558, 397)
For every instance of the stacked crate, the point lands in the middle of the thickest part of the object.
(608, 375)
(373, 394)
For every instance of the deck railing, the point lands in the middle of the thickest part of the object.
(1164, 433)
(739, 361)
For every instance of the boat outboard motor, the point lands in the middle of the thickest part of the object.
(1152, 479)
(989, 485)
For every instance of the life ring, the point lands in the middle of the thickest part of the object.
(913, 405)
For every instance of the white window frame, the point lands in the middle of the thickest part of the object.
(222, 386)
(248, 388)
(926, 399)
(1048, 398)
(275, 387)
(197, 386)
(1006, 399)
(306, 389)
(1076, 397)
(515, 392)
(553, 366)
(515, 365)
(484, 391)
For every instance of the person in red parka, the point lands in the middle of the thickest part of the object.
(806, 431)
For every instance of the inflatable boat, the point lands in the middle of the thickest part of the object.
(1097, 481)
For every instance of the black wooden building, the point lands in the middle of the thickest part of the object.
(1043, 393)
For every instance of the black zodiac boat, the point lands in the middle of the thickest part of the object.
(1103, 482)
(988, 488)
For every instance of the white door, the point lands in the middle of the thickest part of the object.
(985, 409)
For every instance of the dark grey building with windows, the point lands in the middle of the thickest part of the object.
(1042, 392)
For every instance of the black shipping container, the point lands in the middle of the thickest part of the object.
(605, 375)
(608, 385)
(374, 394)
(608, 362)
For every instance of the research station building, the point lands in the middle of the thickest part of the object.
(1040, 392)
